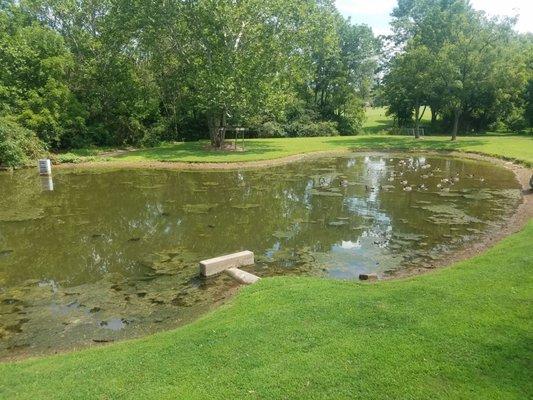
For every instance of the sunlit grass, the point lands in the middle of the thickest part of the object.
(512, 147)
(458, 333)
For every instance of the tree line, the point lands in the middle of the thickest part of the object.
(471, 72)
(77, 73)
(115, 72)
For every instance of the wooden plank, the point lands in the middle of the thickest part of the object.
(216, 265)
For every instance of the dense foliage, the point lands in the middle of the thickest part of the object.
(130, 72)
(18, 145)
(469, 70)
(113, 72)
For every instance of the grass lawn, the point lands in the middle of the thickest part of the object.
(463, 332)
(376, 120)
(518, 148)
(457, 333)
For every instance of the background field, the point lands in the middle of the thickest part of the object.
(519, 148)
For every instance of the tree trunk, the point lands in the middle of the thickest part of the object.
(456, 115)
(216, 122)
(417, 119)
(433, 117)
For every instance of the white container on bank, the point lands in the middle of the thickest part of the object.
(45, 167)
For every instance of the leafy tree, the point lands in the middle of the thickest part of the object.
(410, 84)
(18, 145)
(109, 78)
(473, 73)
(342, 67)
(34, 65)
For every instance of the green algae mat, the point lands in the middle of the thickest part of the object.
(110, 255)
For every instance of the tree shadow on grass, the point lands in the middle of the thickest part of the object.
(378, 126)
(200, 150)
(405, 143)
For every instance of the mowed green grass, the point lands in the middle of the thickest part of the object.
(376, 120)
(463, 332)
(518, 148)
(514, 147)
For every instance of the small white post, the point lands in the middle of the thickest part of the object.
(45, 167)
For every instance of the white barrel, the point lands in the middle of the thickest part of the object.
(45, 167)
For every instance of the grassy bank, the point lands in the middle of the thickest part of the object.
(519, 148)
(377, 120)
(457, 333)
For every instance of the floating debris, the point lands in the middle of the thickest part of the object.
(281, 235)
(5, 253)
(11, 214)
(338, 223)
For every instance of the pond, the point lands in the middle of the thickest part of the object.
(108, 255)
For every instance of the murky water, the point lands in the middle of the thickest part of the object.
(113, 254)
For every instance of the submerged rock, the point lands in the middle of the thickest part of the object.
(368, 277)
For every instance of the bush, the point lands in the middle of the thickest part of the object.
(69, 158)
(313, 128)
(18, 146)
(270, 129)
(351, 121)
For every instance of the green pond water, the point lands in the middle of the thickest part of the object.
(108, 255)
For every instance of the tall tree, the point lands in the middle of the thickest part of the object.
(474, 80)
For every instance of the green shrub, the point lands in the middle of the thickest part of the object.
(270, 129)
(69, 158)
(18, 146)
(313, 128)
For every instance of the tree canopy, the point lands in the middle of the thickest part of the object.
(113, 72)
(469, 69)
(78, 73)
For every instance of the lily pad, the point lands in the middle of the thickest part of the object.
(324, 193)
(201, 208)
(246, 206)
